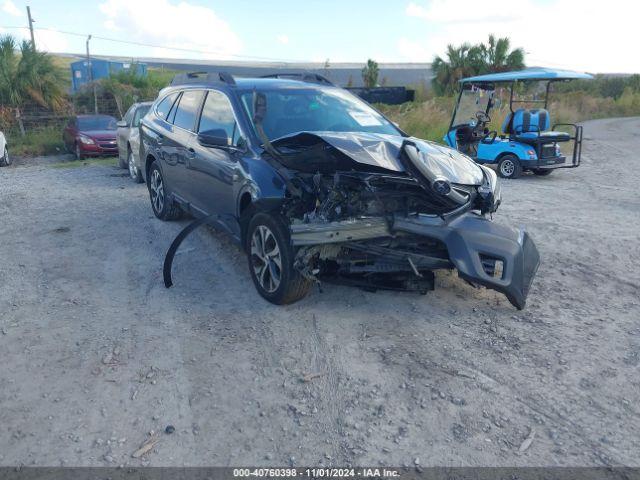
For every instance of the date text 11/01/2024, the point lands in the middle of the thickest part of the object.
(316, 472)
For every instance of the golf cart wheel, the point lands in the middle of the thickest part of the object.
(5, 160)
(509, 167)
(78, 152)
(542, 172)
(134, 171)
(271, 258)
(162, 204)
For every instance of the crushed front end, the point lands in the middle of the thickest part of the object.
(390, 225)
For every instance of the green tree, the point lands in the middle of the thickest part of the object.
(370, 74)
(461, 61)
(497, 56)
(467, 60)
(28, 76)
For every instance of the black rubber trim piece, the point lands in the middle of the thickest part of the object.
(168, 259)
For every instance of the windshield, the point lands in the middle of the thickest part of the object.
(315, 110)
(472, 100)
(97, 123)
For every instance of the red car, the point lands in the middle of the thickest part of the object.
(91, 135)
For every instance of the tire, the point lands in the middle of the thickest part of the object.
(510, 167)
(134, 172)
(123, 163)
(162, 204)
(542, 172)
(5, 160)
(268, 237)
(77, 152)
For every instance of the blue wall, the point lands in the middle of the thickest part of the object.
(100, 69)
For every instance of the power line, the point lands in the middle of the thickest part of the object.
(151, 45)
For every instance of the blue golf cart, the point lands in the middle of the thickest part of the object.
(527, 142)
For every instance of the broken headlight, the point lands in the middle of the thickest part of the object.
(489, 192)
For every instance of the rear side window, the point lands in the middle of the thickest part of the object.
(140, 112)
(185, 116)
(217, 113)
(165, 105)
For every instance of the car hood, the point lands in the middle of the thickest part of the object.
(100, 134)
(383, 151)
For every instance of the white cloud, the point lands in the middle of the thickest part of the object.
(283, 39)
(10, 8)
(172, 24)
(586, 35)
(412, 51)
(49, 41)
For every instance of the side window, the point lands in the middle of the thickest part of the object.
(129, 115)
(187, 111)
(140, 112)
(165, 105)
(217, 114)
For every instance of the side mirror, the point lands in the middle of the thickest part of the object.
(213, 138)
(122, 124)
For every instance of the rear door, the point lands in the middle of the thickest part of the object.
(123, 133)
(184, 117)
(214, 171)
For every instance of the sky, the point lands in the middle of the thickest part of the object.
(585, 35)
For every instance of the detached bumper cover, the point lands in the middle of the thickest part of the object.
(472, 241)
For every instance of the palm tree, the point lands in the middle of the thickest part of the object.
(370, 74)
(462, 61)
(28, 76)
(467, 60)
(498, 58)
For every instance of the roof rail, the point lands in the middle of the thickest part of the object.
(308, 77)
(200, 77)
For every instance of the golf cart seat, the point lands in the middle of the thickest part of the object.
(532, 126)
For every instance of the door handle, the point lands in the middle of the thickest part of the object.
(191, 153)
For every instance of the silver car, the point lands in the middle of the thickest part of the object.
(4, 151)
(128, 138)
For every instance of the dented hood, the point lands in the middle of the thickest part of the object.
(384, 150)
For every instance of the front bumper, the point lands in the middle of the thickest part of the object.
(502, 258)
(100, 148)
(474, 243)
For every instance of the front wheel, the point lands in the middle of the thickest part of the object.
(162, 204)
(509, 166)
(134, 171)
(271, 259)
(542, 172)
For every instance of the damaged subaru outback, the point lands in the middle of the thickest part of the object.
(316, 185)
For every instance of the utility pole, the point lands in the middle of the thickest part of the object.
(31, 20)
(90, 76)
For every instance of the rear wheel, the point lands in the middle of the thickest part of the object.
(162, 204)
(509, 166)
(542, 172)
(134, 171)
(271, 259)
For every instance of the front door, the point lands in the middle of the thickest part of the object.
(215, 170)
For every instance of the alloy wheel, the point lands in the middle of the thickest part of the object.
(507, 168)
(266, 258)
(157, 191)
(133, 171)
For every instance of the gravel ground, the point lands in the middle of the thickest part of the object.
(98, 357)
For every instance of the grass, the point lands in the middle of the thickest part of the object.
(88, 162)
(47, 141)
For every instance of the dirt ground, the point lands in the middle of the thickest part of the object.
(96, 355)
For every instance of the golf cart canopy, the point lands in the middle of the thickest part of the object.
(530, 74)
